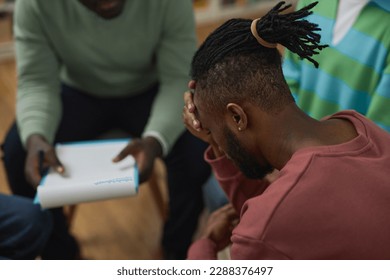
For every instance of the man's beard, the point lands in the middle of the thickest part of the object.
(244, 160)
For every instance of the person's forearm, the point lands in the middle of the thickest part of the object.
(202, 249)
(35, 116)
(154, 145)
(33, 138)
(165, 117)
(38, 106)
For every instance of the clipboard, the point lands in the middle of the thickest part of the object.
(90, 175)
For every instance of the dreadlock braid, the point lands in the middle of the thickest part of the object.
(234, 37)
(232, 62)
(291, 30)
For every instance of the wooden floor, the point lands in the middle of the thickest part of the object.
(7, 106)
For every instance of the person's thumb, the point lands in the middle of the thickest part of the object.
(53, 161)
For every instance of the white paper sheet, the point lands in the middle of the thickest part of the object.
(90, 174)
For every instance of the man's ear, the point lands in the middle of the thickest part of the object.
(237, 118)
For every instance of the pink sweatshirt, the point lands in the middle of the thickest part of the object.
(329, 202)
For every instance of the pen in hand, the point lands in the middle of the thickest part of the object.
(51, 160)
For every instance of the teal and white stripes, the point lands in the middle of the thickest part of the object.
(354, 74)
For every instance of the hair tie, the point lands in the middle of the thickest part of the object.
(258, 38)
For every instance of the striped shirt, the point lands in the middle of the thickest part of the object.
(353, 74)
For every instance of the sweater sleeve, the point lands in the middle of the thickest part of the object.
(237, 187)
(38, 107)
(202, 249)
(176, 48)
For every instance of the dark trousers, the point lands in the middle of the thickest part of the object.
(24, 228)
(85, 118)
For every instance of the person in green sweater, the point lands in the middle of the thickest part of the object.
(86, 67)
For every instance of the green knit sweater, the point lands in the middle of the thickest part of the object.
(61, 41)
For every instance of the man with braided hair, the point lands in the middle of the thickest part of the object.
(330, 197)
